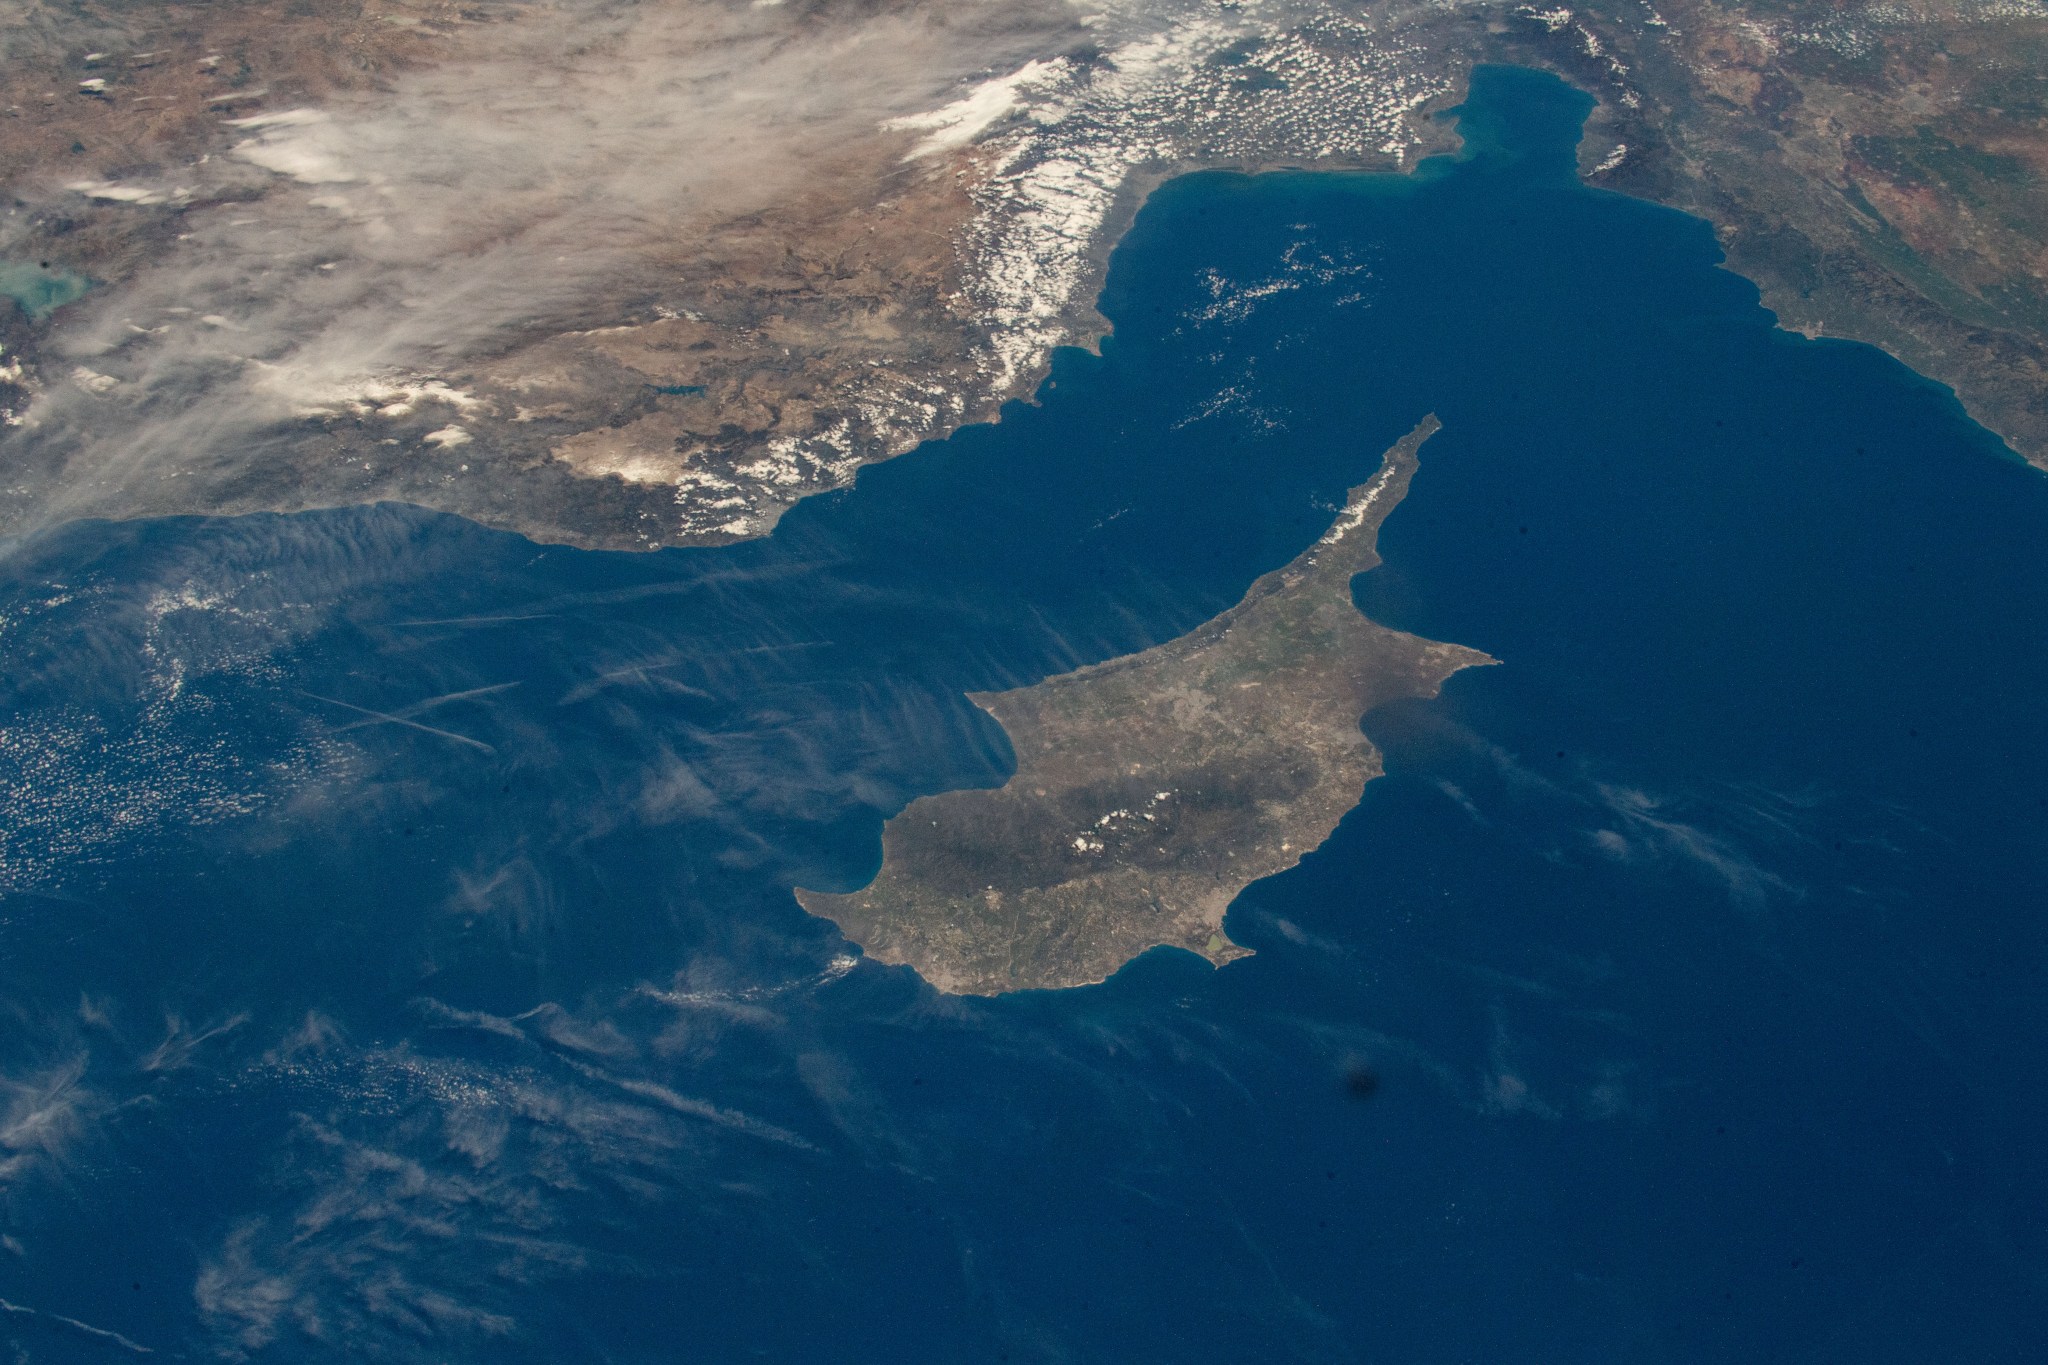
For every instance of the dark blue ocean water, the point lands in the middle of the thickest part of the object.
(399, 963)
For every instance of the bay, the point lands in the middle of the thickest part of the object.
(399, 960)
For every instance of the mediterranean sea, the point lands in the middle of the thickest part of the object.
(398, 961)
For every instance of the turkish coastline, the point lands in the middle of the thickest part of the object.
(459, 866)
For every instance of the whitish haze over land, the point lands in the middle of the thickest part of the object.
(399, 959)
(635, 275)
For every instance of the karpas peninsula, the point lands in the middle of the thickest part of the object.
(1151, 789)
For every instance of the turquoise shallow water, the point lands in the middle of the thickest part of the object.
(399, 961)
(39, 290)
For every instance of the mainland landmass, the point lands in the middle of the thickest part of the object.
(642, 274)
(1151, 789)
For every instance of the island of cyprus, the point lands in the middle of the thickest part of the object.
(1151, 789)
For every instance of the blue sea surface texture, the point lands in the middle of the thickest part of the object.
(398, 961)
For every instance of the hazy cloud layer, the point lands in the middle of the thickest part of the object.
(849, 226)
(538, 175)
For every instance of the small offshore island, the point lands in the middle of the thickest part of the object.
(1151, 789)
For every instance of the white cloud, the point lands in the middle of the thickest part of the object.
(301, 143)
(959, 123)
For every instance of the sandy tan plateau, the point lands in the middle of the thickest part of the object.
(823, 302)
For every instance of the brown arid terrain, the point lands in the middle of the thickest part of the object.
(1880, 170)
(640, 275)
(600, 275)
